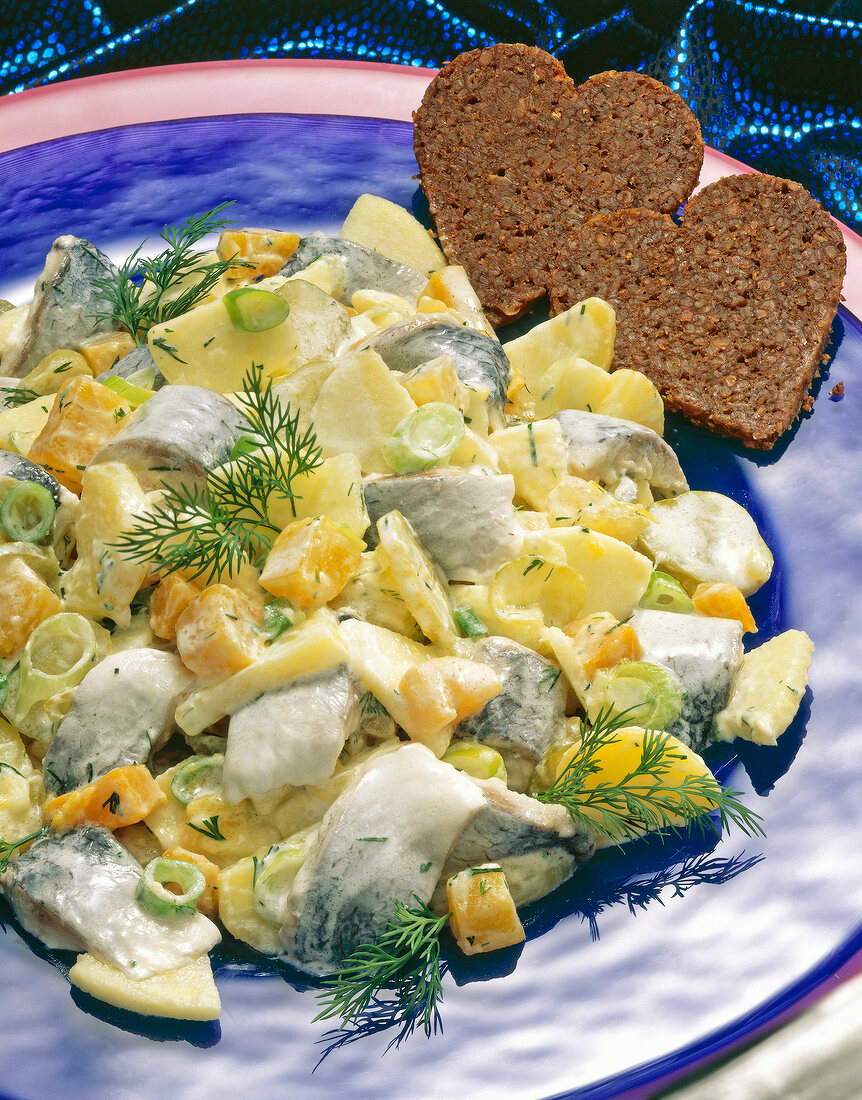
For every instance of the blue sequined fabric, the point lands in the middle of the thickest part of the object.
(778, 86)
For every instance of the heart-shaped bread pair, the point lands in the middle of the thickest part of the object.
(514, 158)
(727, 313)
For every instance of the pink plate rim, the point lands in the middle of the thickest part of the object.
(364, 89)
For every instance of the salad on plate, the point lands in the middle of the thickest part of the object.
(329, 620)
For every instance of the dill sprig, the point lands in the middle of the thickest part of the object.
(212, 530)
(647, 798)
(17, 395)
(406, 959)
(8, 847)
(142, 292)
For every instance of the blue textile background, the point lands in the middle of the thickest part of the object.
(777, 86)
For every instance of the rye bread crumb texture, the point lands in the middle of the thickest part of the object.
(513, 157)
(727, 313)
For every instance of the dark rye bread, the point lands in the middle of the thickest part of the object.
(728, 313)
(513, 156)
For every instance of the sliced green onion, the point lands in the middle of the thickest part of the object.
(665, 593)
(274, 874)
(278, 616)
(480, 761)
(243, 446)
(651, 694)
(469, 622)
(145, 377)
(27, 512)
(198, 776)
(152, 892)
(255, 310)
(4, 688)
(424, 438)
(58, 655)
(122, 387)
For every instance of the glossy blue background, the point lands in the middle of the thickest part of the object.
(648, 957)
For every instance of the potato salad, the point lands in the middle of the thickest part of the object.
(329, 621)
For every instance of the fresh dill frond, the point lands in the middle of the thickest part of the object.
(406, 959)
(143, 292)
(647, 798)
(211, 531)
(7, 847)
(17, 395)
(209, 827)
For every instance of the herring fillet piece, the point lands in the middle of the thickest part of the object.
(479, 360)
(608, 448)
(384, 839)
(465, 521)
(176, 438)
(364, 269)
(529, 714)
(290, 735)
(21, 469)
(121, 711)
(704, 652)
(76, 891)
(62, 312)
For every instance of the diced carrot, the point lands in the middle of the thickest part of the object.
(216, 633)
(25, 601)
(122, 797)
(208, 901)
(484, 917)
(105, 349)
(84, 416)
(442, 691)
(170, 598)
(723, 601)
(603, 641)
(267, 250)
(310, 562)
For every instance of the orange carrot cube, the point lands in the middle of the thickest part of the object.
(216, 634)
(267, 250)
(171, 596)
(311, 561)
(84, 416)
(723, 601)
(208, 901)
(25, 601)
(442, 691)
(484, 917)
(122, 797)
(603, 641)
(105, 349)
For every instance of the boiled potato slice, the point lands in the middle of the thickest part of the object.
(587, 330)
(535, 455)
(701, 536)
(237, 911)
(186, 993)
(767, 690)
(417, 579)
(387, 228)
(531, 582)
(615, 575)
(572, 383)
(360, 382)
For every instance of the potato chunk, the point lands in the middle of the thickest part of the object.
(186, 993)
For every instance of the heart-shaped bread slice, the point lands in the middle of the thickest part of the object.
(729, 312)
(513, 157)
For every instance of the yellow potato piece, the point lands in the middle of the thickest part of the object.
(574, 502)
(387, 228)
(768, 689)
(417, 579)
(237, 910)
(186, 993)
(536, 456)
(529, 582)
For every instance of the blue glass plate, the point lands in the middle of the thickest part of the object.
(650, 957)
